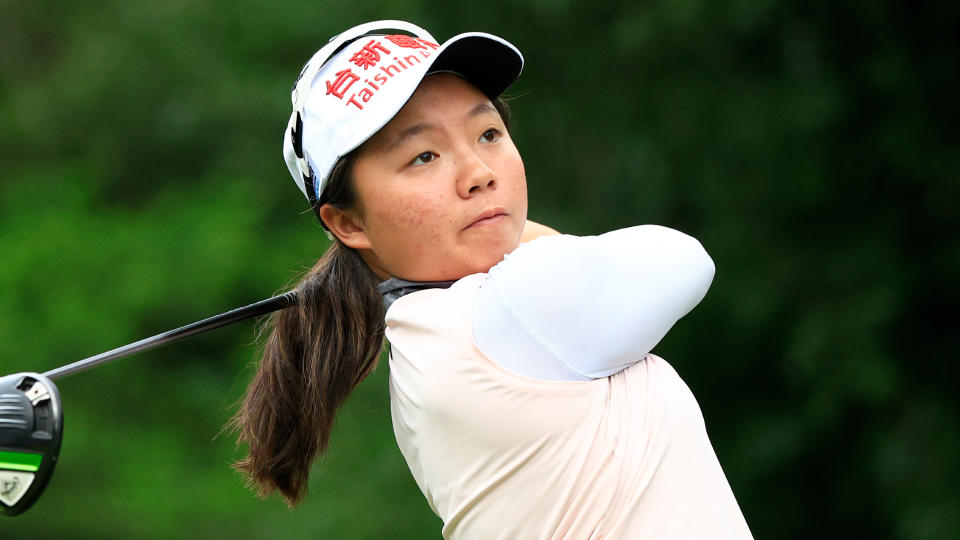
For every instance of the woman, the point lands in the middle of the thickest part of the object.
(523, 394)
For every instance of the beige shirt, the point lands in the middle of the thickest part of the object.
(499, 455)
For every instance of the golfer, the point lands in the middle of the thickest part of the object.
(524, 395)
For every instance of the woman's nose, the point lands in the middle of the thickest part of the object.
(474, 176)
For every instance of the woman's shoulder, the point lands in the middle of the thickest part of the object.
(430, 305)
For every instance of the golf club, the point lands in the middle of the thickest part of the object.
(31, 415)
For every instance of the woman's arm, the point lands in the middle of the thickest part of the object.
(577, 308)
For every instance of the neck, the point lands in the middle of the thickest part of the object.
(394, 288)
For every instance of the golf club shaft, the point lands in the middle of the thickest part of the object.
(235, 315)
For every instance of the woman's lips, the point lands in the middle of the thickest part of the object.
(489, 216)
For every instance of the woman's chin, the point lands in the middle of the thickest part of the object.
(491, 259)
(461, 262)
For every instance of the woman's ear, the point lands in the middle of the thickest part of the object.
(345, 225)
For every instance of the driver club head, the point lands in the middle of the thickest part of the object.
(31, 428)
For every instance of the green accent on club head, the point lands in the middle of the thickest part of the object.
(20, 461)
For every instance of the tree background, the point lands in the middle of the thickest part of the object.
(811, 147)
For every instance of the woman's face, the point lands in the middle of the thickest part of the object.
(443, 192)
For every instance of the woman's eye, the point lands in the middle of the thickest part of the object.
(490, 135)
(423, 158)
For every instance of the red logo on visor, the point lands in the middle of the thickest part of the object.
(410, 42)
(375, 55)
(343, 82)
(369, 55)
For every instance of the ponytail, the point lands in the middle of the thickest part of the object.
(318, 351)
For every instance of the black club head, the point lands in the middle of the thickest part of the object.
(31, 428)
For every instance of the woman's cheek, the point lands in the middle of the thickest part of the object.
(401, 214)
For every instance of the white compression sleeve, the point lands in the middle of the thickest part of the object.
(567, 308)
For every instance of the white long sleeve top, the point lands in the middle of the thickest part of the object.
(527, 404)
(570, 308)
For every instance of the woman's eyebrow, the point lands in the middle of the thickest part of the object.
(410, 132)
(481, 109)
(416, 129)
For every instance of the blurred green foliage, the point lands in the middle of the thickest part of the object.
(812, 148)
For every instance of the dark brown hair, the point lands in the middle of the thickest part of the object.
(317, 352)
